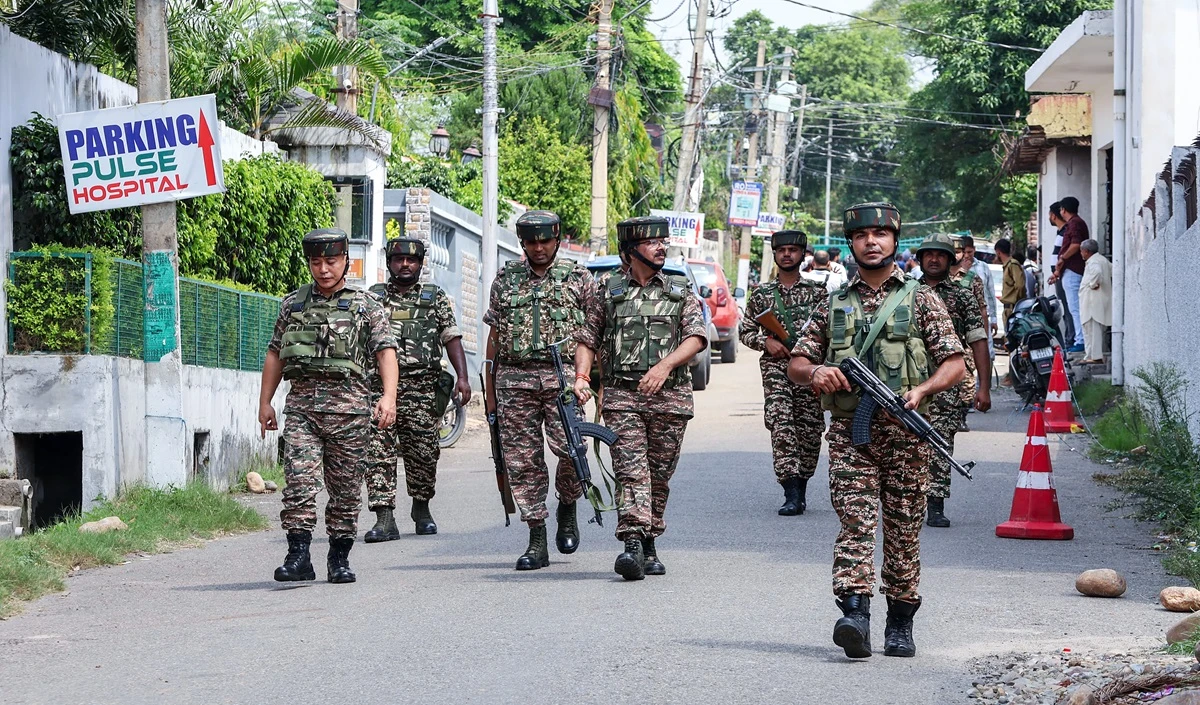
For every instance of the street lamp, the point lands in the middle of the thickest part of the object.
(471, 154)
(439, 142)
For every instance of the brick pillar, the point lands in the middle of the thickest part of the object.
(418, 221)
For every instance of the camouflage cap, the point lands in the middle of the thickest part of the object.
(653, 227)
(326, 242)
(405, 246)
(937, 243)
(538, 225)
(871, 215)
(789, 237)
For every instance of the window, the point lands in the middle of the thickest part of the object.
(355, 195)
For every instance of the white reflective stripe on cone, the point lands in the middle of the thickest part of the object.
(1034, 481)
(1035, 440)
(1058, 396)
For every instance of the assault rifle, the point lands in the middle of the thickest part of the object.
(498, 455)
(767, 319)
(576, 429)
(876, 395)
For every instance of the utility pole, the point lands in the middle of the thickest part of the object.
(828, 174)
(601, 99)
(695, 109)
(491, 167)
(743, 273)
(779, 121)
(163, 364)
(347, 28)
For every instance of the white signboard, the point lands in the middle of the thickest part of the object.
(144, 153)
(686, 228)
(768, 223)
(745, 200)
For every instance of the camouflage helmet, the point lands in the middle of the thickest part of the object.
(634, 230)
(405, 246)
(326, 242)
(538, 225)
(789, 237)
(871, 215)
(937, 243)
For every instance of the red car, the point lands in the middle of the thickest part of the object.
(723, 303)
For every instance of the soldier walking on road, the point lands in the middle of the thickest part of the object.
(902, 332)
(948, 410)
(323, 340)
(647, 326)
(422, 320)
(792, 413)
(534, 303)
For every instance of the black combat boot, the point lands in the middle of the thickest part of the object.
(298, 564)
(385, 528)
(537, 555)
(567, 538)
(937, 513)
(631, 564)
(422, 518)
(802, 494)
(853, 631)
(897, 634)
(791, 506)
(339, 560)
(652, 564)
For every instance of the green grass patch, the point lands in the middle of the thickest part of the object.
(1120, 428)
(270, 471)
(1186, 564)
(1096, 396)
(159, 521)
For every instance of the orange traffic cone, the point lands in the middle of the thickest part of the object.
(1060, 408)
(1035, 503)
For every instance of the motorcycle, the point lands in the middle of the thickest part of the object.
(451, 425)
(1032, 337)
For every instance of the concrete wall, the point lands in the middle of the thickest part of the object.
(1067, 171)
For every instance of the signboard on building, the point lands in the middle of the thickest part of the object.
(745, 200)
(768, 224)
(139, 154)
(686, 228)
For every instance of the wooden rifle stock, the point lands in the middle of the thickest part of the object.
(768, 319)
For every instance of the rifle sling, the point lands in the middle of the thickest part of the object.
(884, 313)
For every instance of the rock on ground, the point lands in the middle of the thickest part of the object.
(255, 483)
(1180, 599)
(103, 526)
(1066, 678)
(1183, 629)
(1101, 582)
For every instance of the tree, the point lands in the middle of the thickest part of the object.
(539, 170)
(979, 85)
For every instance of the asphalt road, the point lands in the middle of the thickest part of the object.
(744, 615)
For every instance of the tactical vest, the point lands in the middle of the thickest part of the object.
(323, 338)
(643, 329)
(967, 278)
(542, 315)
(417, 340)
(897, 356)
(789, 316)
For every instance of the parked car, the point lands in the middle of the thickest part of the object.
(722, 301)
(701, 363)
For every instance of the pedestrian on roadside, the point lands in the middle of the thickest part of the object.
(823, 274)
(980, 269)
(323, 340)
(648, 326)
(838, 266)
(1067, 320)
(893, 469)
(792, 413)
(1012, 288)
(948, 410)
(1033, 274)
(1095, 301)
(422, 320)
(535, 302)
(1070, 265)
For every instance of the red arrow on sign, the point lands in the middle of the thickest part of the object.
(206, 142)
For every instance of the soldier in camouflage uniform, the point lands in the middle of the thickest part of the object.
(648, 326)
(534, 303)
(422, 320)
(792, 413)
(901, 330)
(947, 411)
(323, 340)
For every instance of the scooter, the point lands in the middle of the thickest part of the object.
(1033, 334)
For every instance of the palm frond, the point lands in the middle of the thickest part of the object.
(315, 113)
(301, 62)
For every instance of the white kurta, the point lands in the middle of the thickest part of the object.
(1095, 291)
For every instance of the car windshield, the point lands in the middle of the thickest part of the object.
(706, 272)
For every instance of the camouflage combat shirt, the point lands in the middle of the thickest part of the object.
(336, 396)
(441, 316)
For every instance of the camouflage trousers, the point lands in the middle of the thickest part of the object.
(893, 468)
(323, 449)
(644, 459)
(946, 413)
(794, 417)
(523, 414)
(413, 437)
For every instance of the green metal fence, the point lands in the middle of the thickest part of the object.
(219, 326)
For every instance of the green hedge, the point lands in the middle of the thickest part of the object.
(48, 302)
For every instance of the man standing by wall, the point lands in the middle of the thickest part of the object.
(1012, 289)
(1095, 301)
(1070, 265)
(1056, 219)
